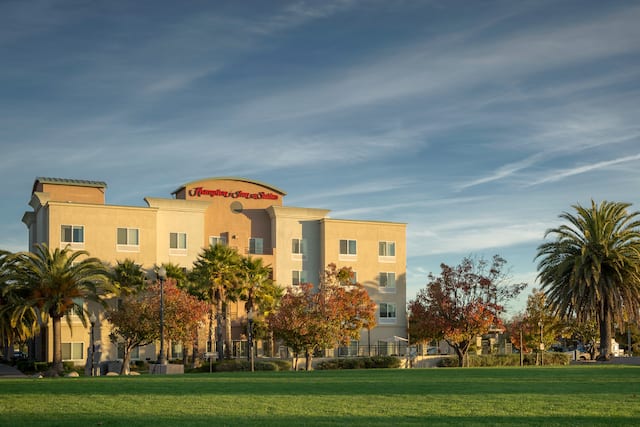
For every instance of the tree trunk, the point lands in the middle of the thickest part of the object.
(212, 333)
(126, 361)
(57, 368)
(605, 334)
(308, 359)
(219, 338)
(460, 355)
(227, 330)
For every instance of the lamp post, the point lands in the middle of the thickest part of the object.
(162, 276)
(93, 320)
(250, 336)
(541, 344)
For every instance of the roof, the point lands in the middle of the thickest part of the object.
(64, 181)
(233, 178)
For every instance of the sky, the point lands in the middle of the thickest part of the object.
(476, 123)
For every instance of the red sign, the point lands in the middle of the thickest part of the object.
(201, 192)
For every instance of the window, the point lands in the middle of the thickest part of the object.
(387, 282)
(72, 234)
(354, 277)
(128, 239)
(387, 312)
(217, 240)
(297, 246)
(72, 351)
(298, 277)
(178, 240)
(256, 245)
(387, 249)
(348, 247)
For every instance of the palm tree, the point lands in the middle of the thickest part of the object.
(129, 277)
(215, 273)
(258, 291)
(56, 282)
(592, 268)
(17, 322)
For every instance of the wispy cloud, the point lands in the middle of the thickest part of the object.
(565, 173)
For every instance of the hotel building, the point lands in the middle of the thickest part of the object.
(298, 243)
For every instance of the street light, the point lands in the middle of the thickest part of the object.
(162, 276)
(250, 336)
(93, 320)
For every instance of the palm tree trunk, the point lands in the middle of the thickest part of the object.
(219, 338)
(605, 334)
(57, 368)
(227, 330)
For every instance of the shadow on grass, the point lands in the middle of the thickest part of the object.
(72, 420)
(424, 382)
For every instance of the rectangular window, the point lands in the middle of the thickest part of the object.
(72, 351)
(297, 246)
(348, 247)
(298, 277)
(387, 312)
(217, 240)
(387, 249)
(178, 240)
(72, 234)
(256, 245)
(387, 282)
(128, 236)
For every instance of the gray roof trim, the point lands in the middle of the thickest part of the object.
(63, 181)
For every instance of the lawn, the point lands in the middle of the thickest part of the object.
(574, 395)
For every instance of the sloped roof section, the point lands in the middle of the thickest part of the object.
(233, 178)
(65, 181)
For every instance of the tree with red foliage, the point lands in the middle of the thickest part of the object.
(136, 321)
(309, 319)
(462, 303)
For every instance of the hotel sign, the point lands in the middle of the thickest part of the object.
(203, 192)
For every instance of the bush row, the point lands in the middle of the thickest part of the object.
(236, 365)
(489, 360)
(360, 363)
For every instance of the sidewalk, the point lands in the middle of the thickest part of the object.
(7, 371)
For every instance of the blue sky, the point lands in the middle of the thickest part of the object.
(475, 122)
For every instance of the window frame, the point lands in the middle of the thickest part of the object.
(351, 251)
(222, 240)
(302, 277)
(253, 246)
(74, 242)
(386, 319)
(386, 250)
(71, 345)
(386, 288)
(128, 246)
(181, 240)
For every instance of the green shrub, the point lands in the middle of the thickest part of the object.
(494, 360)
(360, 363)
(31, 367)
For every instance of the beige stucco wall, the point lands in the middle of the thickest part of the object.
(368, 265)
(72, 193)
(178, 216)
(290, 223)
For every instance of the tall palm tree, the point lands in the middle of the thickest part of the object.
(215, 272)
(592, 267)
(56, 282)
(259, 291)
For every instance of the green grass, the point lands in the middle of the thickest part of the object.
(575, 395)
